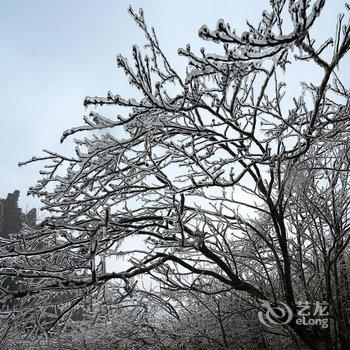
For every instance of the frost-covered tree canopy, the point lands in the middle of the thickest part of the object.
(236, 186)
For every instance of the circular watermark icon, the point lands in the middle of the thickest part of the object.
(280, 313)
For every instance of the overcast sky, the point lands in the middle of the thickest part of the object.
(56, 52)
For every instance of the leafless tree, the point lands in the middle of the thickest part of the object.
(215, 170)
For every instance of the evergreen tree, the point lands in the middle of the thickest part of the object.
(12, 217)
(11, 221)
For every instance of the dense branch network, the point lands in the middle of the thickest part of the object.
(211, 171)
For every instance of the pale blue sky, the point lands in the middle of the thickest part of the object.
(56, 52)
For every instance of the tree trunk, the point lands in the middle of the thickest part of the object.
(312, 340)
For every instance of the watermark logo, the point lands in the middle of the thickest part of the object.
(275, 314)
(307, 314)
